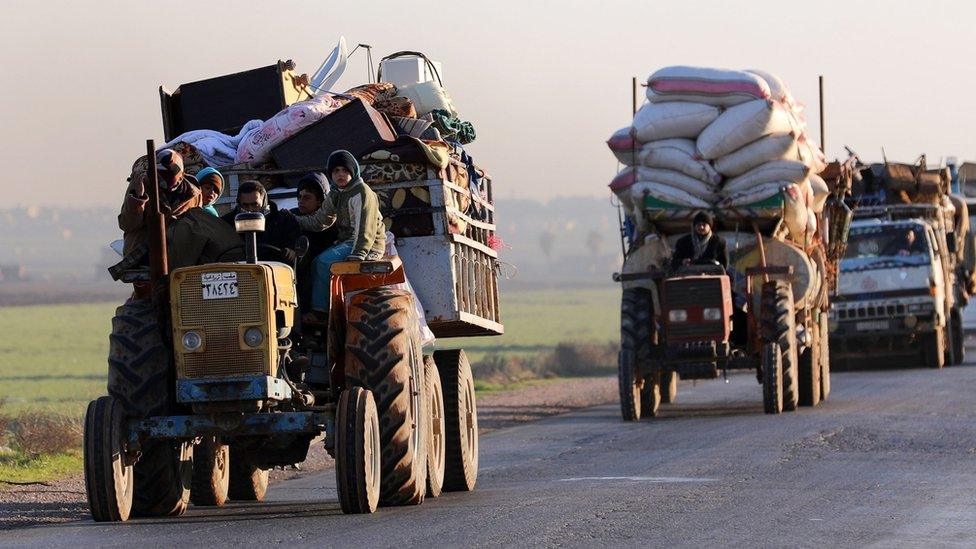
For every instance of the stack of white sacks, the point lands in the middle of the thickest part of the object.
(721, 140)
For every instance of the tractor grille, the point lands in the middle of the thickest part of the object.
(220, 319)
(696, 330)
(871, 311)
(693, 292)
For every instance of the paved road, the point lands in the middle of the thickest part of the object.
(890, 460)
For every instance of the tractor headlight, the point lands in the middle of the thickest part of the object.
(712, 313)
(192, 341)
(253, 337)
(678, 315)
(911, 321)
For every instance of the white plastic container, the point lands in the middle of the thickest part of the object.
(402, 71)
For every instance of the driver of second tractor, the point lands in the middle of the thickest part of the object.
(281, 229)
(702, 246)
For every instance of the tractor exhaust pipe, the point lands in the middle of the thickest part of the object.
(249, 224)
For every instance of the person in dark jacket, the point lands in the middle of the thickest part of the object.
(281, 229)
(178, 194)
(313, 191)
(702, 246)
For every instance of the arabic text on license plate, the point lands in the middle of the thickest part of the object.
(871, 325)
(219, 285)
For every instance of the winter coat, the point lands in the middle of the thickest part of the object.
(359, 221)
(134, 215)
(281, 229)
(715, 250)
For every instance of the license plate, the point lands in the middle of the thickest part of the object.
(872, 325)
(219, 285)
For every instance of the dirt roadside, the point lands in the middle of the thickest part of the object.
(64, 500)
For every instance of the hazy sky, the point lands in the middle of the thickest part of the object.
(545, 83)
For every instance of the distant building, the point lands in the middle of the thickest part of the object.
(13, 272)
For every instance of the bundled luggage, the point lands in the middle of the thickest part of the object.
(734, 142)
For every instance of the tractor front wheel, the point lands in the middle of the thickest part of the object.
(357, 459)
(108, 479)
(211, 473)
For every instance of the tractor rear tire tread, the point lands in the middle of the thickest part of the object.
(383, 355)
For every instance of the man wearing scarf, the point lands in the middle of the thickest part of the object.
(702, 246)
(178, 194)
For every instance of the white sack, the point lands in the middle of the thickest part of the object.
(796, 215)
(777, 88)
(666, 193)
(678, 155)
(696, 187)
(810, 153)
(753, 194)
(820, 192)
(790, 171)
(427, 97)
(760, 151)
(741, 125)
(668, 120)
(719, 87)
(623, 145)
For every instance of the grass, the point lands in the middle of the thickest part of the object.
(536, 321)
(53, 357)
(19, 468)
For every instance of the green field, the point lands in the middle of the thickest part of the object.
(53, 357)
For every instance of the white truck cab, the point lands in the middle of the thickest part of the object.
(892, 293)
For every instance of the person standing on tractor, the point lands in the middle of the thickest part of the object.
(313, 202)
(178, 194)
(361, 233)
(281, 229)
(701, 246)
(211, 186)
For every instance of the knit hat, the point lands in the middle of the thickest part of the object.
(212, 176)
(704, 217)
(315, 183)
(169, 164)
(346, 160)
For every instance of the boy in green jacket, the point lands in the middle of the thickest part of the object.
(356, 213)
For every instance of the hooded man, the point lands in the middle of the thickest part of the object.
(355, 211)
(178, 194)
(211, 184)
(281, 229)
(313, 194)
(701, 246)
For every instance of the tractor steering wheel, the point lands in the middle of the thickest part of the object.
(275, 253)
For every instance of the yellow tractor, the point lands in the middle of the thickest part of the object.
(207, 391)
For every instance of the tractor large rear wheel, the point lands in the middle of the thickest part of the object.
(809, 369)
(140, 378)
(635, 349)
(779, 326)
(383, 355)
